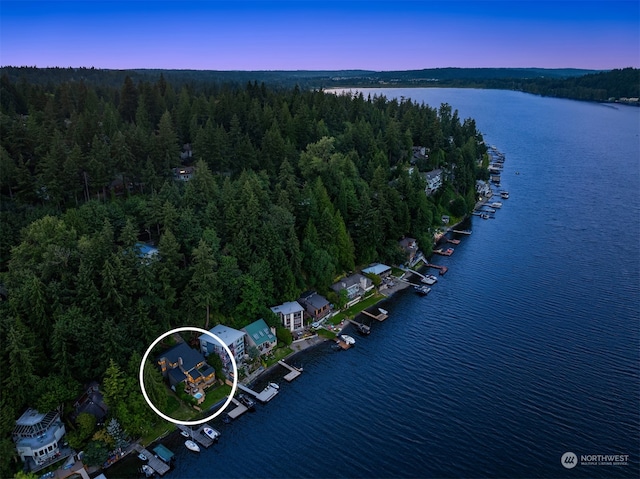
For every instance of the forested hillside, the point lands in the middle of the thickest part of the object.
(291, 189)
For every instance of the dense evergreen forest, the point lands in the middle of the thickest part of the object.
(292, 188)
(578, 84)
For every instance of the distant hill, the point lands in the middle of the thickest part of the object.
(594, 85)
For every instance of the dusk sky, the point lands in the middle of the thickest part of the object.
(327, 35)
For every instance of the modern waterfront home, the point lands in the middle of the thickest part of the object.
(260, 336)
(182, 364)
(315, 305)
(37, 437)
(291, 314)
(234, 340)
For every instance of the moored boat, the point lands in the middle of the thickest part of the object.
(191, 445)
(429, 279)
(247, 401)
(422, 290)
(142, 457)
(504, 194)
(275, 386)
(148, 470)
(496, 204)
(184, 434)
(383, 311)
(348, 339)
(212, 433)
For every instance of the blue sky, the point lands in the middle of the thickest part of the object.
(328, 35)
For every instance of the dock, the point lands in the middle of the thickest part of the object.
(154, 462)
(341, 343)
(294, 372)
(362, 328)
(442, 269)
(198, 435)
(238, 410)
(266, 395)
(462, 232)
(379, 317)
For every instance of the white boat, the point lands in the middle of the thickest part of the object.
(429, 279)
(142, 457)
(148, 470)
(383, 311)
(275, 386)
(184, 434)
(496, 204)
(191, 445)
(422, 290)
(504, 194)
(348, 339)
(212, 433)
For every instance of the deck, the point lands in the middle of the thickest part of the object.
(293, 372)
(198, 434)
(266, 395)
(238, 410)
(154, 462)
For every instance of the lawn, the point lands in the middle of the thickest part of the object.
(278, 354)
(356, 308)
(215, 395)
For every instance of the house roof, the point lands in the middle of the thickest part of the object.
(226, 334)
(287, 308)
(260, 333)
(190, 357)
(377, 268)
(315, 300)
(433, 173)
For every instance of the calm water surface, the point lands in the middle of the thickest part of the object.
(526, 349)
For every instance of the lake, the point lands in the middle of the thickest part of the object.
(528, 348)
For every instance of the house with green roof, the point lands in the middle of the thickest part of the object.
(261, 336)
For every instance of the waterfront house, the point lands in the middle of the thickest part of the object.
(483, 188)
(315, 305)
(355, 285)
(38, 437)
(182, 364)
(434, 181)
(260, 336)
(291, 314)
(232, 338)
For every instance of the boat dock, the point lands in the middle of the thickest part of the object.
(266, 395)
(363, 328)
(294, 372)
(379, 317)
(343, 344)
(154, 462)
(198, 435)
(442, 269)
(462, 232)
(238, 410)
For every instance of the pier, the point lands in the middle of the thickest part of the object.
(266, 395)
(198, 435)
(238, 410)
(442, 269)
(294, 372)
(363, 328)
(462, 232)
(154, 462)
(380, 317)
(343, 344)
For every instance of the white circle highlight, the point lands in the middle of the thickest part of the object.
(234, 388)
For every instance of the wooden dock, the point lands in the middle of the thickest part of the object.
(198, 434)
(442, 269)
(266, 395)
(154, 462)
(362, 328)
(343, 344)
(238, 410)
(293, 371)
(379, 317)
